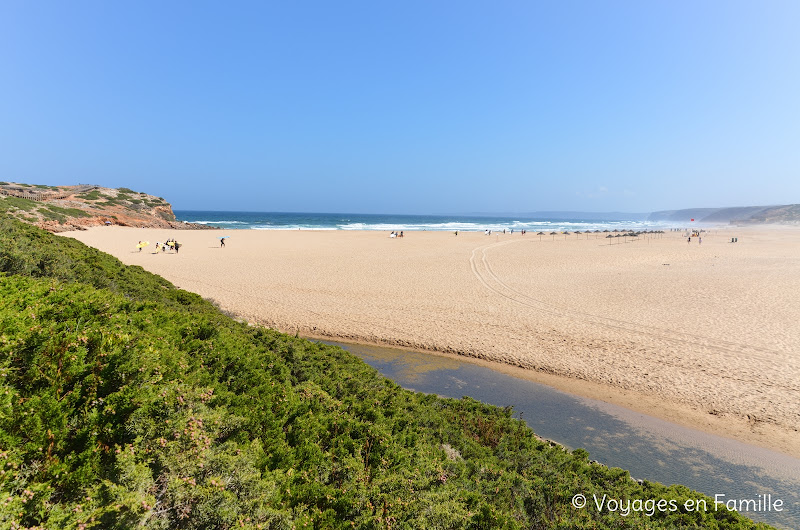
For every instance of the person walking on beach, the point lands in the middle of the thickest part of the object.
(221, 242)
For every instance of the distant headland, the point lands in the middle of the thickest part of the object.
(738, 215)
(63, 208)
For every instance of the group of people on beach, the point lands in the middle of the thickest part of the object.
(698, 234)
(489, 232)
(396, 234)
(162, 247)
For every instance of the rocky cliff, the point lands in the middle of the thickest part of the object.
(62, 208)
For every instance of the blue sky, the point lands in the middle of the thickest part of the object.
(407, 107)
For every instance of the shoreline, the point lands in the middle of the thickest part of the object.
(768, 436)
(703, 336)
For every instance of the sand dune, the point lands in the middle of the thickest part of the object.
(707, 335)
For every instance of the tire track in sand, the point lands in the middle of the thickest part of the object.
(482, 269)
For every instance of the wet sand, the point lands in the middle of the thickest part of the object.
(707, 335)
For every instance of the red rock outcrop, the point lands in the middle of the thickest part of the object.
(64, 208)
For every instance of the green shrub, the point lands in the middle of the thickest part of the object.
(17, 202)
(90, 196)
(69, 212)
(47, 213)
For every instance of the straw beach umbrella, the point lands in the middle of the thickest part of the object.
(540, 234)
(554, 234)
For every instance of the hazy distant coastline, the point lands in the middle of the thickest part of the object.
(776, 214)
(770, 214)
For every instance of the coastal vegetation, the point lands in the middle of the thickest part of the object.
(9, 204)
(47, 211)
(126, 402)
(62, 208)
(90, 195)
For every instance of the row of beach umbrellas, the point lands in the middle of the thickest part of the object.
(620, 233)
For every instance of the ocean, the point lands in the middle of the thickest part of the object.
(388, 223)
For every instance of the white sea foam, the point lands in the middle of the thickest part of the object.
(292, 227)
(496, 226)
(465, 226)
(219, 222)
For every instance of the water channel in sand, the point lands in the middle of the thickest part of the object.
(649, 448)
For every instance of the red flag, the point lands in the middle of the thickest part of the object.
(692, 219)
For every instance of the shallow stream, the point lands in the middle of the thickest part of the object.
(649, 448)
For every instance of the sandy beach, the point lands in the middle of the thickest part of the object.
(706, 335)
